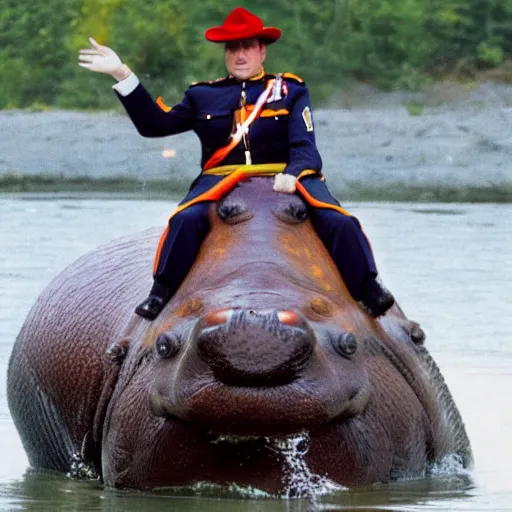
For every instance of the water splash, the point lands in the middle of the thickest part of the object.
(451, 464)
(79, 469)
(299, 481)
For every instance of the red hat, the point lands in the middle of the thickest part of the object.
(242, 24)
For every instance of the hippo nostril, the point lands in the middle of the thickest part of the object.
(167, 345)
(345, 344)
(218, 317)
(288, 318)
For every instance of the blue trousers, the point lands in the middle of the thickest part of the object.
(347, 245)
(341, 235)
(187, 230)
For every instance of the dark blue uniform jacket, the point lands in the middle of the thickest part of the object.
(282, 134)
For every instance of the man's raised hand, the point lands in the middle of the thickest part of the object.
(102, 59)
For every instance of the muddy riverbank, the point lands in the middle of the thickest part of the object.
(434, 145)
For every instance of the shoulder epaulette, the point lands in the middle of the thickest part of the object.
(210, 82)
(291, 76)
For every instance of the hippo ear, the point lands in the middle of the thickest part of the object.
(233, 211)
(117, 350)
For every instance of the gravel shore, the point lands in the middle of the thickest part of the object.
(374, 144)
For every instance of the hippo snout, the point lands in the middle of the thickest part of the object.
(255, 348)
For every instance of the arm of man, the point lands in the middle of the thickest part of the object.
(301, 139)
(150, 119)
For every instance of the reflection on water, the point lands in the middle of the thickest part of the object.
(38, 491)
(448, 265)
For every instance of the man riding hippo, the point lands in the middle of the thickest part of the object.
(248, 119)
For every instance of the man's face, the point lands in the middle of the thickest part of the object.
(244, 57)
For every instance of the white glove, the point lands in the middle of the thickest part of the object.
(102, 59)
(284, 183)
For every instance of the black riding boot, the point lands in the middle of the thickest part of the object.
(375, 297)
(178, 252)
(157, 299)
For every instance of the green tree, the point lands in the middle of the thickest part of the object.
(148, 35)
(32, 42)
(392, 43)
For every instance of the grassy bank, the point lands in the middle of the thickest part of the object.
(175, 189)
(12, 183)
(433, 193)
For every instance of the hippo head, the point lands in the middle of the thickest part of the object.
(258, 372)
(259, 359)
(261, 343)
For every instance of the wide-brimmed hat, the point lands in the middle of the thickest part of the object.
(242, 24)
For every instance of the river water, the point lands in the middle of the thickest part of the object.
(450, 267)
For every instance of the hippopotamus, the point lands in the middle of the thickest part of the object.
(260, 366)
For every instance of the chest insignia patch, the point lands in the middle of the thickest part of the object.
(306, 115)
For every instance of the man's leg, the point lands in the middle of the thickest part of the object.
(178, 252)
(350, 250)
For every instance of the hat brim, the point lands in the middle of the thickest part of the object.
(268, 35)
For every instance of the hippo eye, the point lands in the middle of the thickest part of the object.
(233, 212)
(167, 345)
(298, 211)
(294, 212)
(345, 344)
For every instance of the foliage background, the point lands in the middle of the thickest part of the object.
(391, 43)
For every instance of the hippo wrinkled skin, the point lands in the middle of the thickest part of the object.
(262, 344)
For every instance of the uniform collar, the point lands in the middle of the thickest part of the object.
(259, 76)
(255, 78)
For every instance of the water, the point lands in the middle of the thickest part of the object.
(450, 267)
